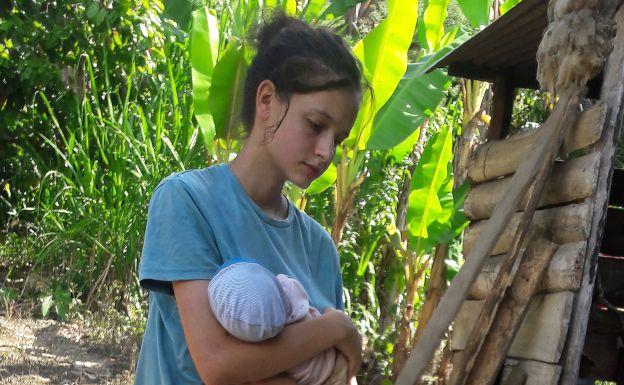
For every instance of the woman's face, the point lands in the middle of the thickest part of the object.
(305, 143)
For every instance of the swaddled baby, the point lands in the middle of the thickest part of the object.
(253, 305)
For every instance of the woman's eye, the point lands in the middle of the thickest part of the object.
(315, 126)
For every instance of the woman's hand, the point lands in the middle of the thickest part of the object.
(351, 343)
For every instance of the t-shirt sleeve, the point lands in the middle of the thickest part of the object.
(179, 243)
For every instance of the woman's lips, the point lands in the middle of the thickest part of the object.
(312, 171)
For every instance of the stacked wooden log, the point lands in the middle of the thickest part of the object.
(564, 216)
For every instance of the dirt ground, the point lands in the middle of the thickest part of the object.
(35, 352)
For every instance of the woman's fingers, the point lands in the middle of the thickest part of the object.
(351, 343)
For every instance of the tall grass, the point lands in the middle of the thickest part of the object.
(91, 201)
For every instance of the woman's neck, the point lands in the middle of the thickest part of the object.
(261, 182)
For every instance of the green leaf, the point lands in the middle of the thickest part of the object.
(416, 98)
(92, 10)
(383, 53)
(363, 263)
(179, 11)
(433, 21)
(452, 268)
(46, 304)
(290, 7)
(204, 52)
(323, 182)
(226, 91)
(507, 5)
(429, 182)
(314, 8)
(7, 294)
(339, 8)
(476, 11)
(403, 149)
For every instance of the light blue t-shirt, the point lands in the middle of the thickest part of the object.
(200, 219)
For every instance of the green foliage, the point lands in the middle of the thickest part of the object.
(383, 54)
(507, 5)
(433, 22)
(324, 182)
(415, 98)
(226, 92)
(57, 300)
(476, 11)
(432, 186)
(204, 53)
(84, 160)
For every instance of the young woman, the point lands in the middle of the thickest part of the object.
(301, 98)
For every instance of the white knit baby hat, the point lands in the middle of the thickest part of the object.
(248, 301)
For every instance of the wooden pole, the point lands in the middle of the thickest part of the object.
(562, 116)
(511, 312)
(612, 95)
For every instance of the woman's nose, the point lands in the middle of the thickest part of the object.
(325, 147)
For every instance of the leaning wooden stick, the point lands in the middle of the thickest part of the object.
(511, 312)
(456, 293)
(513, 258)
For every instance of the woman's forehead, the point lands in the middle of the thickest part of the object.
(338, 106)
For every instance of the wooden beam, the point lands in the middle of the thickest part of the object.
(612, 96)
(563, 274)
(516, 376)
(502, 157)
(563, 116)
(542, 334)
(565, 224)
(538, 373)
(569, 181)
(502, 108)
(511, 312)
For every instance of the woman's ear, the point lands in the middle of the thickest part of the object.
(265, 99)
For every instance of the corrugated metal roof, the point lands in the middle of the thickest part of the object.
(506, 47)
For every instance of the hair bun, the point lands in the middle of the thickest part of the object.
(269, 30)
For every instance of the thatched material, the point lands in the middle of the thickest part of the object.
(576, 43)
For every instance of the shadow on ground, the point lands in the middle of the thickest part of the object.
(34, 352)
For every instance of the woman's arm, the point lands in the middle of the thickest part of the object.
(221, 359)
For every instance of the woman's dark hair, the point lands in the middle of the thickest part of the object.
(298, 58)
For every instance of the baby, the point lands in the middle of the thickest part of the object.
(253, 305)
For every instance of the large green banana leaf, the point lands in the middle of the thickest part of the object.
(433, 22)
(398, 120)
(204, 52)
(416, 98)
(383, 53)
(226, 91)
(476, 11)
(431, 198)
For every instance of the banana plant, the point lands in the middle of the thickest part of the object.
(383, 54)
(204, 54)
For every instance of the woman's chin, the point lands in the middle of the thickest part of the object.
(302, 184)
